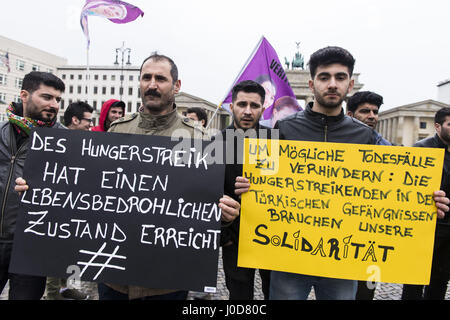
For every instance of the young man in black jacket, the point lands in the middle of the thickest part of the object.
(440, 268)
(41, 94)
(324, 121)
(247, 108)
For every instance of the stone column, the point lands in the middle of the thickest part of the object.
(395, 130)
(392, 133)
(388, 129)
(415, 136)
(401, 123)
(380, 127)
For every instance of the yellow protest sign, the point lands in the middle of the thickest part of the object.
(344, 211)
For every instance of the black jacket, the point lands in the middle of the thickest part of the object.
(12, 160)
(308, 125)
(233, 143)
(443, 225)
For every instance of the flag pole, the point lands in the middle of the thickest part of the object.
(237, 78)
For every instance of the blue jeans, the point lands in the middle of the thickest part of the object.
(290, 286)
(108, 293)
(21, 287)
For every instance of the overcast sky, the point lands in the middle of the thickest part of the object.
(401, 47)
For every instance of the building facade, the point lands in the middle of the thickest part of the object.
(96, 85)
(111, 82)
(99, 84)
(405, 125)
(22, 60)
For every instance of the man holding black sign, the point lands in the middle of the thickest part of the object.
(324, 121)
(78, 116)
(41, 94)
(159, 117)
(158, 84)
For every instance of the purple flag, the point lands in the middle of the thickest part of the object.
(114, 10)
(265, 68)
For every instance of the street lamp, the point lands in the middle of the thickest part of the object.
(122, 51)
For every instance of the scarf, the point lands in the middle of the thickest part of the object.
(24, 124)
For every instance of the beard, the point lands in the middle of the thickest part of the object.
(250, 121)
(445, 136)
(328, 104)
(244, 127)
(48, 115)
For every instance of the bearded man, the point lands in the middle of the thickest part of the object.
(41, 94)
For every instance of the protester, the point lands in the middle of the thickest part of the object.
(440, 268)
(112, 110)
(324, 121)
(78, 116)
(40, 94)
(247, 108)
(198, 114)
(158, 83)
(364, 106)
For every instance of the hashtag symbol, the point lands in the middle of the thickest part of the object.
(104, 265)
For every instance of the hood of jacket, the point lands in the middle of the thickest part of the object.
(104, 114)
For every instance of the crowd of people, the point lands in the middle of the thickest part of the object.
(323, 120)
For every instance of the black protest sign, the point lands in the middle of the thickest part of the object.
(124, 209)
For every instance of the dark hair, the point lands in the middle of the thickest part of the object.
(201, 114)
(158, 57)
(249, 86)
(118, 104)
(76, 109)
(330, 55)
(440, 116)
(362, 97)
(33, 80)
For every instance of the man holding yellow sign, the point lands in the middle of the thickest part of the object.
(331, 212)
